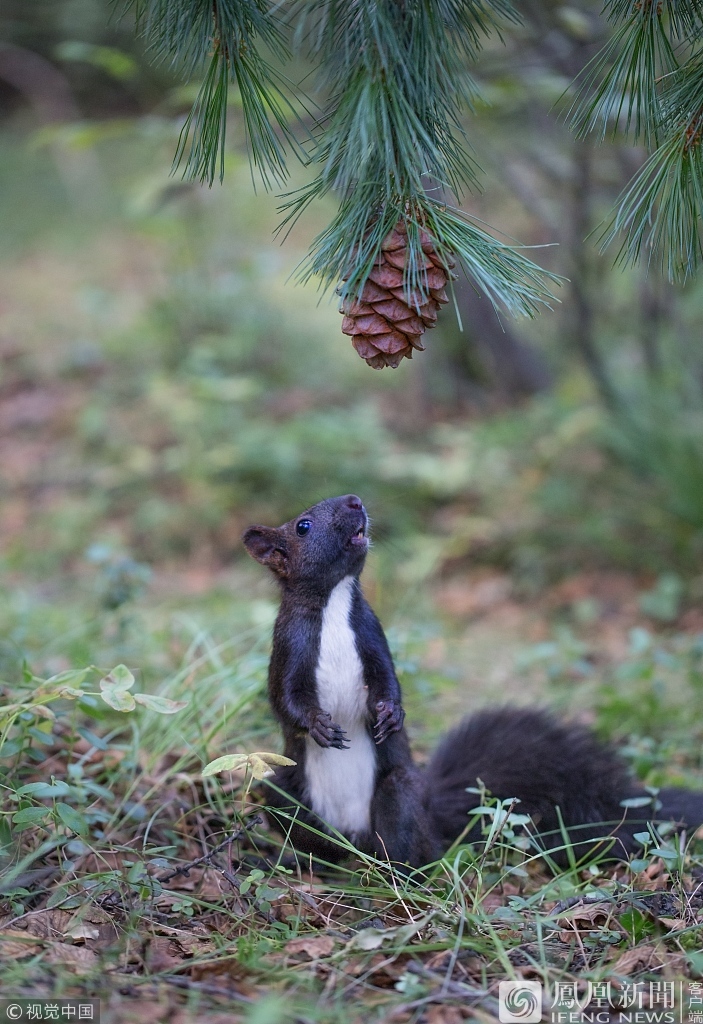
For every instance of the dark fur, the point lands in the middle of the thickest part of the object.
(415, 816)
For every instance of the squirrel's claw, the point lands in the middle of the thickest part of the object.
(389, 718)
(327, 733)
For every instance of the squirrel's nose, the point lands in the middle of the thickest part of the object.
(353, 502)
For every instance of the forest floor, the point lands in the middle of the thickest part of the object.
(131, 878)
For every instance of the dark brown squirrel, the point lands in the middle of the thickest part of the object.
(333, 688)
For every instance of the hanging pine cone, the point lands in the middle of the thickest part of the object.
(386, 323)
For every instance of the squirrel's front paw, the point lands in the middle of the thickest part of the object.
(327, 733)
(389, 718)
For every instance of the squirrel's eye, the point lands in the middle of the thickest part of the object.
(303, 527)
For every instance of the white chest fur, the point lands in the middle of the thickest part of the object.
(340, 782)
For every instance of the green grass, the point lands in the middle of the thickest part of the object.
(92, 902)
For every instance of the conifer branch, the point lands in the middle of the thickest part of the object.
(390, 144)
(392, 138)
(652, 71)
(222, 38)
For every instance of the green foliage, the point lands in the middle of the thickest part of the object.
(224, 38)
(393, 82)
(659, 437)
(652, 71)
(397, 79)
(652, 695)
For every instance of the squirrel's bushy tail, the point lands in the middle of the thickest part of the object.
(528, 754)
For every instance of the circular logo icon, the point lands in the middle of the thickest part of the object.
(520, 1002)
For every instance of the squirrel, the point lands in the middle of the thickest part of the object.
(334, 690)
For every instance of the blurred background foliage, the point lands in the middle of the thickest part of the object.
(163, 382)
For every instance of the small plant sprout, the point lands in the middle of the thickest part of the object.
(260, 765)
(114, 691)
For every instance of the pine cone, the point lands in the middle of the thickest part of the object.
(386, 323)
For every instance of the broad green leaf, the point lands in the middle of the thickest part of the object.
(371, 938)
(70, 678)
(64, 898)
(72, 818)
(118, 699)
(227, 763)
(164, 705)
(30, 815)
(44, 790)
(10, 747)
(119, 679)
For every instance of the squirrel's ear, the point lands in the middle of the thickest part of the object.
(268, 546)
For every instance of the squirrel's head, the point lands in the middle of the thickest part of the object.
(318, 548)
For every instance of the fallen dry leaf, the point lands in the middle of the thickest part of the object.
(674, 924)
(588, 918)
(49, 924)
(163, 954)
(645, 957)
(653, 878)
(82, 931)
(15, 944)
(80, 958)
(314, 946)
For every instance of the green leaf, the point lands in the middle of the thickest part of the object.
(72, 818)
(118, 699)
(258, 763)
(635, 924)
(164, 705)
(30, 815)
(119, 679)
(69, 679)
(64, 898)
(277, 759)
(5, 834)
(45, 790)
(226, 763)
(695, 961)
(372, 938)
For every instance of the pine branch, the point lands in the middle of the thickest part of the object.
(395, 77)
(398, 84)
(661, 209)
(639, 73)
(622, 79)
(223, 38)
